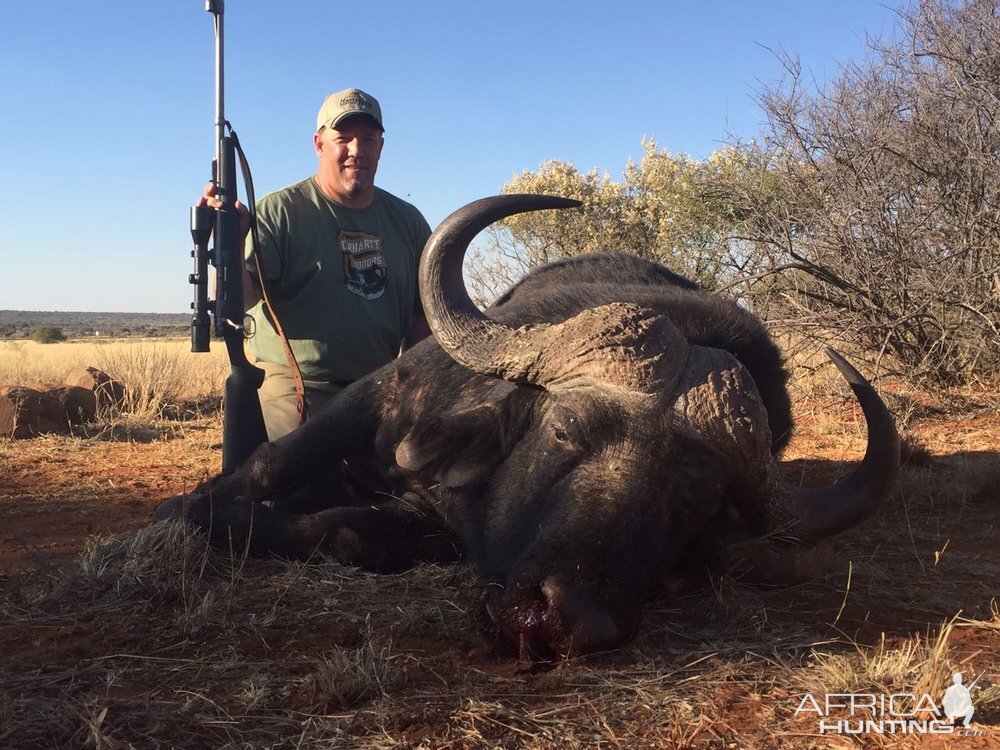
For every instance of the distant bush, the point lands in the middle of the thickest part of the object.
(47, 334)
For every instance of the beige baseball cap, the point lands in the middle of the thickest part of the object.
(345, 103)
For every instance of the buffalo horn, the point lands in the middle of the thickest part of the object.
(824, 511)
(719, 401)
(470, 337)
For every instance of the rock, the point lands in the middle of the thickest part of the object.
(26, 412)
(78, 404)
(108, 391)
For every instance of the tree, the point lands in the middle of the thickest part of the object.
(667, 208)
(888, 227)
(47, 334)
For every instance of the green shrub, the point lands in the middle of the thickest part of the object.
(47, 334)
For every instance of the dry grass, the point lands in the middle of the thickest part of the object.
(152, 639)
(917, 664)
(161, 374)
(158, 374)
(319, 655)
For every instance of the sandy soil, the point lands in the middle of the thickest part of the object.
(711, 668)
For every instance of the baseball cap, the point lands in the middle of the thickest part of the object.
(345, 103)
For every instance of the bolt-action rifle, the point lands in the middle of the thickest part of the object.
(242, 422)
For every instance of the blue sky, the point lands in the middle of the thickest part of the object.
(106, 128)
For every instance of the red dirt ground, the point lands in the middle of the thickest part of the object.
(55, 491)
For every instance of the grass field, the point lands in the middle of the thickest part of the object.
(142, 363)
(158, 373)
(116, 634)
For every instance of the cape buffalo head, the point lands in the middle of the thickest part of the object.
(634, 453)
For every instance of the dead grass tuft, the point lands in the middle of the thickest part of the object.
(156, 376)
(918, 664)
(344, 677)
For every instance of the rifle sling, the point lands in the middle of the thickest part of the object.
(300, 389)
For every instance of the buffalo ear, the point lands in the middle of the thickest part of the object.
(463, 447)
(456, 450)
(413, 453)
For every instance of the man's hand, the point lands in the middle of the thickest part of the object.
(209, 199)
(251, 290)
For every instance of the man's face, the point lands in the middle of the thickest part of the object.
(348, 158)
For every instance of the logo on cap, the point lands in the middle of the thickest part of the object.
(355, 100)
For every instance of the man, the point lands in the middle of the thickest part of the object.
(339, 258)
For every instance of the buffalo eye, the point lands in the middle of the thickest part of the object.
(563, 431)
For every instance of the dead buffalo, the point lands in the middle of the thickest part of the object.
(604, 423)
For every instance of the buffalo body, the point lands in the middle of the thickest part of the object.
(604, 423)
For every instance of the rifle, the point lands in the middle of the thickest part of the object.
(242, 422)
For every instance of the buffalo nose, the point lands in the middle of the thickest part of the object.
(548, 621)
(577, 625)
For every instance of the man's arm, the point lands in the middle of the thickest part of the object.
(417, 330)
(251, 289)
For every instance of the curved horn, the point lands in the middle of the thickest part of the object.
(825, 511)
(718, 399)
(463, 331)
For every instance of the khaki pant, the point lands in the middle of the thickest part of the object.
(277, 398)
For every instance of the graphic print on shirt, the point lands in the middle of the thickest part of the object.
(365, 266)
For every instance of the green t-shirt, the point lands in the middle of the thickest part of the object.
(343, 281)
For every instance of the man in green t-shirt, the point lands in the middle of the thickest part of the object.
(339, 258)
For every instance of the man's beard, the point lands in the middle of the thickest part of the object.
(356, 186)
